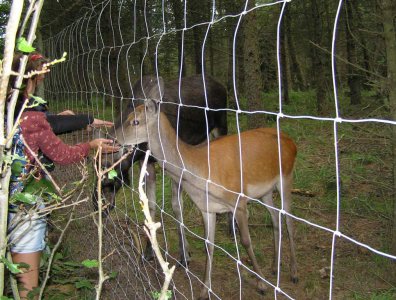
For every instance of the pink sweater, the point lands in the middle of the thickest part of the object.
(38, 134)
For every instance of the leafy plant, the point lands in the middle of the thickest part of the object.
(23, 46)
(84, 283)
(90, 263)
(156, 294)
(37, 101)
(13, 268)
(112, 174)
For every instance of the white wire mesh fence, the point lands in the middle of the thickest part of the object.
(106, 58)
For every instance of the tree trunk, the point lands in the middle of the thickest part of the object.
(109, 54)
(195, 16)
(232, 7)
(179, 17)
(354, 81)
(283, 61)
(388, 15)
(252, 78)
(318, 72)
(295, 69)
(210, 42)
(9, 43)
(365, 53)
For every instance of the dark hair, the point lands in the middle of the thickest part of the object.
(34, 63)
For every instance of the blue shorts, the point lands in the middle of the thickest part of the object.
(26, 233)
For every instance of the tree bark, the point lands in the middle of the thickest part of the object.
(252, 78)
(297, 79)
(388, 19)
(196, 18)
(178, 15)
(354, 81)
(318, 72)
(283, 59)
(210, 42)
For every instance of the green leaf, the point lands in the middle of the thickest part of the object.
(17, 163)
(156, 295)
(54, 196)
(84, 284)
(37, 101)
(112, 174)
(33, 293)
(13, 268)
(24, 46)
(113, 274)
(17, 167)
(37, 186)
(7, 159)
(5, 298)
(72, 264)
(26, 198)
(90, 263)
(58, 256)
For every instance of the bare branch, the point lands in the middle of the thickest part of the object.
(58, 189)
(151, 231)
(60, 239)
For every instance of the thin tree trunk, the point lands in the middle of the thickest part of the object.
(178, 14)
(231, 7)
(317, 58)
(253, 87)
(195, 9)
(284, 63)
(388, 14)
(365, 52)
(210, 41)
(295, 69)
(354, 81)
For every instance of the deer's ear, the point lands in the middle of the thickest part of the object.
(152, 106)
(157, 90)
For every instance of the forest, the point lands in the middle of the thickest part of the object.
(323, 71)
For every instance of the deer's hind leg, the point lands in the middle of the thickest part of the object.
(242, 220)
(269, 202)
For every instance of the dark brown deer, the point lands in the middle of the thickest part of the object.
(222, 175)
(193, 123)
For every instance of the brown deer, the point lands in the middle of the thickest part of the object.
(194, 125)
(221, 176)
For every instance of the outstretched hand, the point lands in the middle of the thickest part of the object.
(66, 113)
(108, 146)
(100, 123)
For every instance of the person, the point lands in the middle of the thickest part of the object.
(35, 139)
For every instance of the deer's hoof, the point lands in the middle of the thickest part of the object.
(184, 260)
(183, 263)
(204, 295)
(148, 254)
(294, 279)
(262, 287)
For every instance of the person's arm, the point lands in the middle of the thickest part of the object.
(68, 123)
(38, 134)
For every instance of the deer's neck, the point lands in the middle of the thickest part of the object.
(166, 145)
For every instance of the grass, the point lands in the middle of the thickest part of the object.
(378, 295)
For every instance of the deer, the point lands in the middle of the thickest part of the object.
(194, 126)
(221, 176)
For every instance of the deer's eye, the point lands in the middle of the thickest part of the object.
(135, 122)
